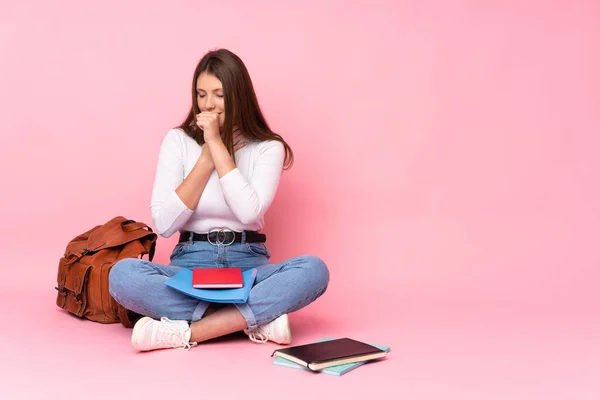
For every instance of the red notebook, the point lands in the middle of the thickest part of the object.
(217, 278)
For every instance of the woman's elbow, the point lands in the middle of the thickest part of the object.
(160, 227)
(250, 217)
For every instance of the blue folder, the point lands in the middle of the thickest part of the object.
(182, 282)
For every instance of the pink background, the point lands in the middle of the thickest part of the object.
(446, 169)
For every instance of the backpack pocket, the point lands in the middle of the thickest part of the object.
(72, 282)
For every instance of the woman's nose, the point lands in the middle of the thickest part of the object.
(210, 104)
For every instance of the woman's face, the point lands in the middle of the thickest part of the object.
(209, 93)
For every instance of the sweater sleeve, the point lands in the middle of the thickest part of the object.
(169, 213)
(249, 197)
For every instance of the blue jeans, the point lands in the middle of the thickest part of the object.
(139, 285)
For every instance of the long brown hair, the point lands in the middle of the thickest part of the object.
(241, 105)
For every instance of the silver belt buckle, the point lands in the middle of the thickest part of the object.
(220, 237)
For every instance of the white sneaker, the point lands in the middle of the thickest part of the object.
(150, 334)
(277, 331)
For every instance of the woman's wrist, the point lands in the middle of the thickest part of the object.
(206, 161)
(221, 158)
(216, 146)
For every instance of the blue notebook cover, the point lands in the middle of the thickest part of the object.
(182, 282)
(338, 370)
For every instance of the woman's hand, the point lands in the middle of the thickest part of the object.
(209, 123)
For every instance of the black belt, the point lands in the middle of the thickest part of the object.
(221, 236)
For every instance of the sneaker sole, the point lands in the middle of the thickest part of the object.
(135, 335)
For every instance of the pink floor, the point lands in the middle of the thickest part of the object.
(439, 351)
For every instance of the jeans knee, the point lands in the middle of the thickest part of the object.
(120, 275)
(317, 271)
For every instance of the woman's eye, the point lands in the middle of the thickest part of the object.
(220, 96)
(201, 95)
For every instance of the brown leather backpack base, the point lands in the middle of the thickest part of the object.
(84, 269)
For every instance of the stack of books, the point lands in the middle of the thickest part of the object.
(329, 356)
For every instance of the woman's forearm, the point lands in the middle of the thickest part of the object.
(220, 156)
(193, 185)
